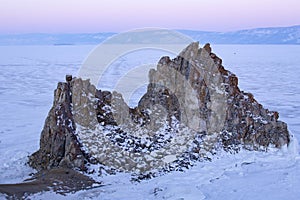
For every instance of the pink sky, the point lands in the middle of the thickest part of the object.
(73, 16)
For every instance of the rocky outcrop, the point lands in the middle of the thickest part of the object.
(193, 106)
(58, 144)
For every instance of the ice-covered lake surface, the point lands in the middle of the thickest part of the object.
(29, 75)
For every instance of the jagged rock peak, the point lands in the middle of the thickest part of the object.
(192, 107)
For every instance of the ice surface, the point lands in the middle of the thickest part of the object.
(29, 74)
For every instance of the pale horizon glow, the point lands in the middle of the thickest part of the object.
(78, 16)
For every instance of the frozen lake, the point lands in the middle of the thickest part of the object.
(29, 75)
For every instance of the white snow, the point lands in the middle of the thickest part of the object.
(29, 74)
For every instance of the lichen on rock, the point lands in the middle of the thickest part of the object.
(192, 107)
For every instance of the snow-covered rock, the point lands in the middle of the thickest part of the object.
(193, 107)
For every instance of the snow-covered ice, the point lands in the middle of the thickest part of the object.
(29, 74)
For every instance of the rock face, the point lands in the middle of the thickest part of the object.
(192, 107)
(58, 144)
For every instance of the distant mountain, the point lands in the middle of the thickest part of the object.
(275, 35)
(54, 39)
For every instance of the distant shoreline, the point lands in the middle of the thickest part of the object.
(264, 36)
